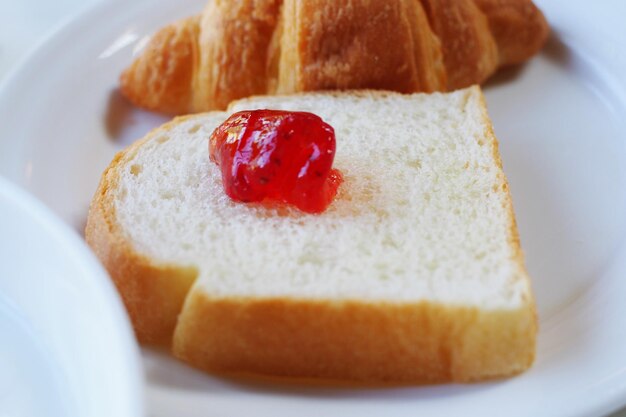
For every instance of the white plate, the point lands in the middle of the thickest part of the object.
(564, 150)
(67, 349)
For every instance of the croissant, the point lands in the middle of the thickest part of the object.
(239, 48)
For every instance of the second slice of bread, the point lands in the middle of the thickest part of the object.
(414, 273)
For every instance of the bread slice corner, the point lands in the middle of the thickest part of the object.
(152, 290)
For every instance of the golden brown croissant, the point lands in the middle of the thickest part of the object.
(238, 48)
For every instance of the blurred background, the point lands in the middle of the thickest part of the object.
(24, 23)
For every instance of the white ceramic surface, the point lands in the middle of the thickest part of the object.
(563, 142)
(25, 23)
(67, 349)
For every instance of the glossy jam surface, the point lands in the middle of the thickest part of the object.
(277, 155)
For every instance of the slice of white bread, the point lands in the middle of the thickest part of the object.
(414, 273)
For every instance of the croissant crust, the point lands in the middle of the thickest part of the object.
(235, 49)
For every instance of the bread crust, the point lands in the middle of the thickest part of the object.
(237, 49)
(233, 50)
(513, 238)
(161, 80)
(468, 47)
(518, 26)
(354, 340)
(339, 45)
(421, 342)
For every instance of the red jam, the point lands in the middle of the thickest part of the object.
(277, 155)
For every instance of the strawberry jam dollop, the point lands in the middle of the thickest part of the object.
(277, 155)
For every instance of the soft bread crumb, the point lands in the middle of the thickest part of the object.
(422, 214)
